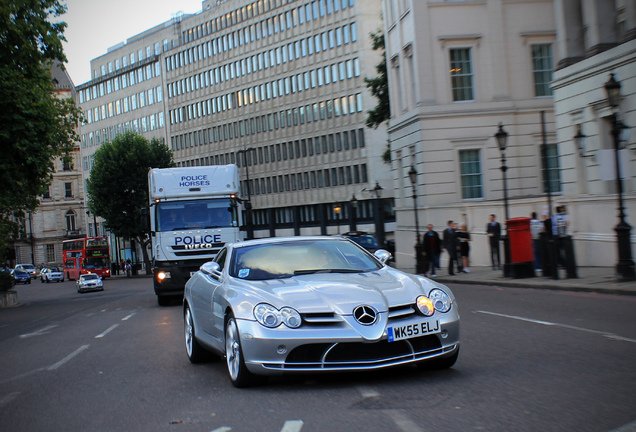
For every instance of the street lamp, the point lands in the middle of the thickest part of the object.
(378, 213)
(353, 206)
(419, 265)
(625, 266)
(502, 140)
(248, 203)
(337, 209)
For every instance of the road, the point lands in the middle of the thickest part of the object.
(531, 360)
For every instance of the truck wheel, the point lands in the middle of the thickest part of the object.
(163, 300)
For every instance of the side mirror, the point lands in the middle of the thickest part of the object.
(144, 219)
(382, 255)
(212, 268)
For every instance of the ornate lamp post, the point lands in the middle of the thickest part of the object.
(378, 213)
(625, 266)
(502, 140)
(419, 265)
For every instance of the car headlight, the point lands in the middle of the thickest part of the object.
(441, 301)
(425, 306)
(268, 316)
(163, 275)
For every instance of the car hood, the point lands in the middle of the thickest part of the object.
(342, 292)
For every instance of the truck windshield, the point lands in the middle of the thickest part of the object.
(196, 214)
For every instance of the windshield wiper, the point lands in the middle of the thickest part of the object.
(312, 271)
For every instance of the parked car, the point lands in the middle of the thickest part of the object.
(315, 304)
(364, 239)
(52, 274)
(29, 268)
(89, 282)
(20, 276)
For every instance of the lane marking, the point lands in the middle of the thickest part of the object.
(108, 330)
(67, 358)
(629, 427)
(129, 316)
(38, 332)
(8, 398)
(547, 323)
(368, 392)
(292, 426)
(403, 422)
(222, 429)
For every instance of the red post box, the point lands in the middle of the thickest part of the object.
(521, 255)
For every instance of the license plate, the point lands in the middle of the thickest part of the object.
(408, 331)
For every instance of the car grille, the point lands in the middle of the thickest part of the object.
(359, 355)
(396, 313)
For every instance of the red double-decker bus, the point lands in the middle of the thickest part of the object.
(86, 255)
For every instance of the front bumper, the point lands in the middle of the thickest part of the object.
(340, 347)
(86, 288)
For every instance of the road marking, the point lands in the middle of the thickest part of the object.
(603, 333)
(110, 329)
(403, 422)
(368, 392)
(629, 427)
(222, 429)
(67, 358)
(292, 426)
(38, 333)
(129, 316)
(8, 398)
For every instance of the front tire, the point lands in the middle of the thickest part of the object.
(240, 376)
(196, 353)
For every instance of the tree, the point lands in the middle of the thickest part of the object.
(379, 87)
(118, 186)
(35, 125)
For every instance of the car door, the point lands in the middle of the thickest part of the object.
(217, 306)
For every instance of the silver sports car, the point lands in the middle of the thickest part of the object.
(305, 304)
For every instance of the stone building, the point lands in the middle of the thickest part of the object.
(458, 70)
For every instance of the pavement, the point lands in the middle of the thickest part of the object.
(590, 279)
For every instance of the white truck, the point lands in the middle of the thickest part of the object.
(193, 213)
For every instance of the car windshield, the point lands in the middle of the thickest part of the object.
(90, 277)
(301, 257)
(55, 269)
(196, 214)
(28, 266)
(20, 273)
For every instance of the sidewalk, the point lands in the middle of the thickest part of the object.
(590, 279)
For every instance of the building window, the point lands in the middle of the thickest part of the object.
(461, 74)
(470, 171)
(551, 167)
(50, 253)
(68, 190)
(70, 220)
(542, 69)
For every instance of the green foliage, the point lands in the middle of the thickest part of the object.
(379, 86)
(118, 185)
(35, 125)
(6, 281)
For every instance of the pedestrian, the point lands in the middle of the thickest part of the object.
(432, 247)
(464, 247)
(493, 229)
(560, 225)
(128, 267)
(450, 245)
(536, 228)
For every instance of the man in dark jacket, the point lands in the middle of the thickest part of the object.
(450, 245)
(432, 246)
(493, 229)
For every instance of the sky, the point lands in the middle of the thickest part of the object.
(96, 25)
